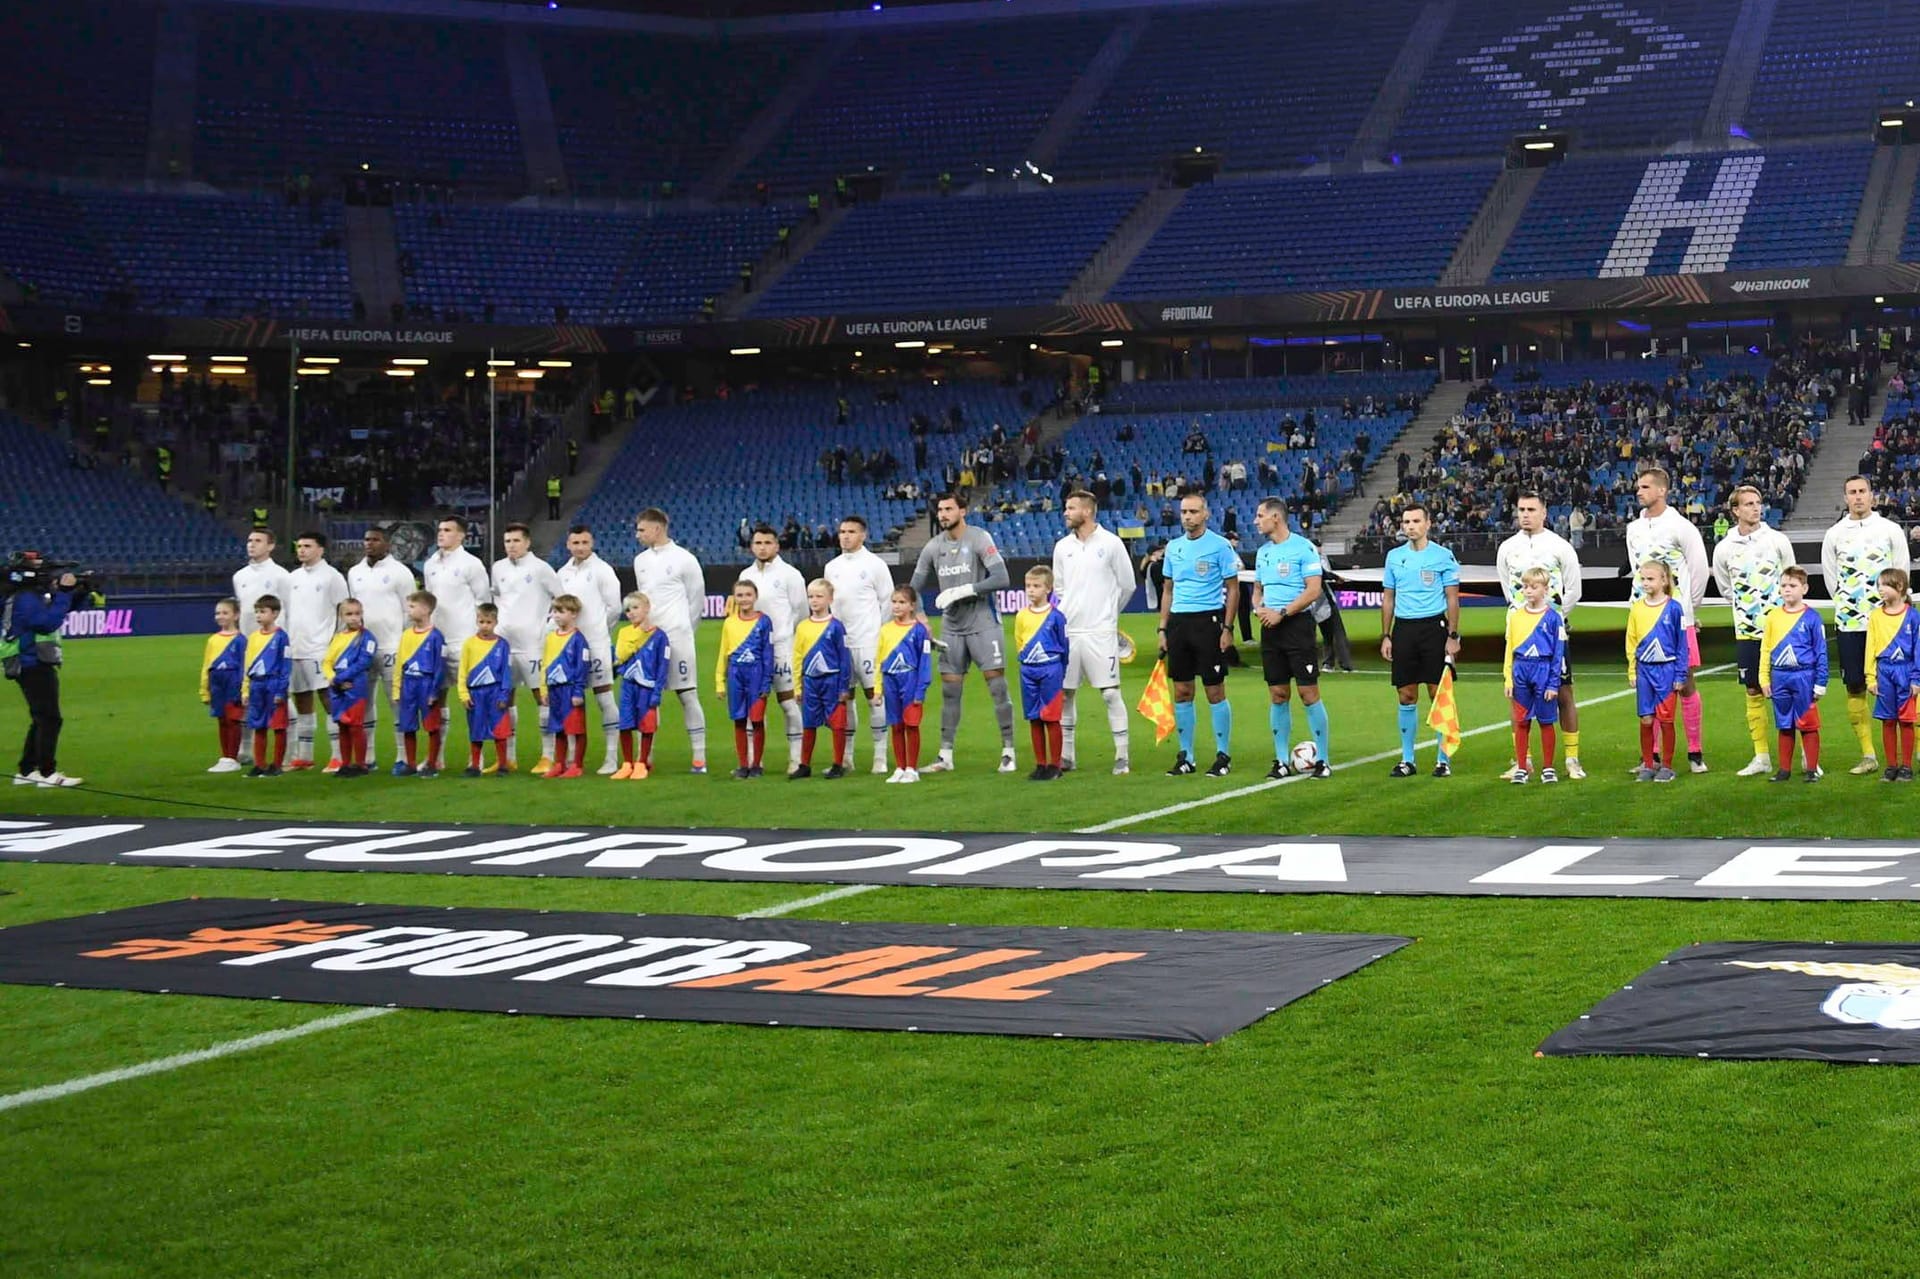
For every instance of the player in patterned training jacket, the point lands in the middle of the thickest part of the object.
(1747, 565)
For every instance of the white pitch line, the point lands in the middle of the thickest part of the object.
(1220, 797)
(53, 1092)
(832, 894)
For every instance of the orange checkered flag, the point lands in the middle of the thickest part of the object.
(1444, 718)
(1157, 703)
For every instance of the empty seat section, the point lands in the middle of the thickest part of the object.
(45, 246)
(79, 79)
(1829, 64)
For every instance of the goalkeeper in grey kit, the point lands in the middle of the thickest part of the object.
(964, 566)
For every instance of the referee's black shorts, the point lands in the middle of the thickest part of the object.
(1419, 650)
(1290, 652)
(1193, 648)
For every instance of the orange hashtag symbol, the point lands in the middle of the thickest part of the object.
(243, 941)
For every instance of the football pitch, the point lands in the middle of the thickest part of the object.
(1395, 1122)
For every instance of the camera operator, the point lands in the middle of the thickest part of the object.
(36, 605)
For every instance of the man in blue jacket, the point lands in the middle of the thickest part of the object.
(30, 622)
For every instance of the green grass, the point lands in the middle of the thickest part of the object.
(1394, 1123)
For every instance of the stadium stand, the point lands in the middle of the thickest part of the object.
(1829, 63)
(1206, 78)
(93, 52)
(1801, 213)
(934, 253)
(55, 501)
(1579, 433)
(1294, 234)
(1619, 73)
(915, 104)
(1307, 439)
(193, 255)
(45, 246)
(1910, 248)
(1893, 462)
(412, 99)
(605, 268)
(762, 455)
(635, 111)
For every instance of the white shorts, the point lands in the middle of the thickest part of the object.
(783, 667)
(599, 664)
(682, 662)
(866, 664)
(304, 675)
(1094, 658)
(526, 669)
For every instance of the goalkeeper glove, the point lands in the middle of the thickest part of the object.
(946, 598)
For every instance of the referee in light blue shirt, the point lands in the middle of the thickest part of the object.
(1202, 572)
(1420, 625)
(1286, 584)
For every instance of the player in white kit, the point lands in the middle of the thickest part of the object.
(315, 591)
(382, 584)
(1093, 575)
(523, 589)
(593, 581)
(668, 575)
(1662, 533)
(783, 598)
(260, 575)
(862, 586)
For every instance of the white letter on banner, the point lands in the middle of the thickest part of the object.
(1771, 867)
(405, 954)
(646, 849)
(525, 953)
(640, 948)
(728, 957)
(374, 940)
(45, 841)
(1656, 208)
(260, 843)
(1302, 863)
(1544, 864)
(1117, 850)
(907, 851)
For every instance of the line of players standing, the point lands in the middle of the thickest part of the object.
(1092, 573)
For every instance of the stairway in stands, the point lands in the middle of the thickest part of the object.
(1381, 479)
(1836, 457)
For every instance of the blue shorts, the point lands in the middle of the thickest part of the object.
(263, 712)
(639, 707)
(223, 691)
(1793, 702)
(897, 703)
(416, 710)
(1746, 659)
(1656, 682)
(1894, 700)
(743, 699)
(559, 712)
(819, 703)
(487, 718)
(1041, 690)
(1538, 700)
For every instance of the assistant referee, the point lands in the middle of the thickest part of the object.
(1196, 627)
(1419, 625)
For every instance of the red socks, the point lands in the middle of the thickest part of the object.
(626, 746)
(1046, 743)
(1646, 745)
(1896, 742)
(913, 746)
(806, 746)
(229, 738)
(412, 743)
(646, 750)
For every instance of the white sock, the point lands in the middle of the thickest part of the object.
(1068, 721)
(322, 744)
(853, 725)
(1116, 719)
(609, 721)
(790, 716)
(546, 745)
(695, 717)
(303, 735)
(246, 742)
(878, 729)
(513, 735)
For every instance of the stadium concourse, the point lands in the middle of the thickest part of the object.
(1402, 479)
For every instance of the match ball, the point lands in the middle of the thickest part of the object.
(1304, 757)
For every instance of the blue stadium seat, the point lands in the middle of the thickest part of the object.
(1829, 63)
(79, 78)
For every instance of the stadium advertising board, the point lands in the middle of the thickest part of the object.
(1079, 983)
(1628, 293)
(1464, 866)
(1817, 1001)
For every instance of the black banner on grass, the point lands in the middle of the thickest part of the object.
(1845, 1001)
(1815, 870)
(1079, 983)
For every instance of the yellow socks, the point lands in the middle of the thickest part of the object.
(1757, 724)
(1862, 725)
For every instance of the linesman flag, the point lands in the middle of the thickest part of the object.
(1157, 703)
(1444, 718)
